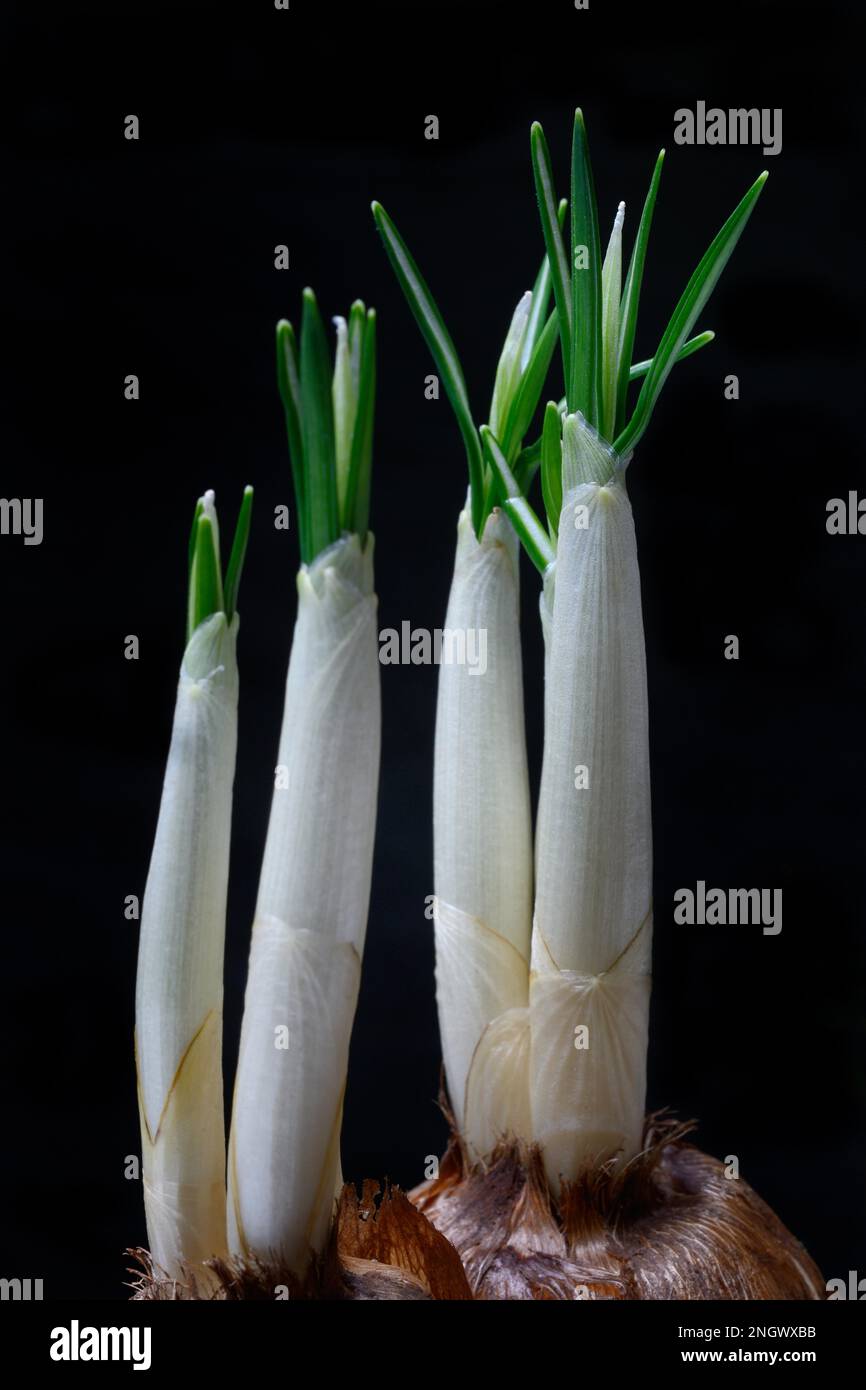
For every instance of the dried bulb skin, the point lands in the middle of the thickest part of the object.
(381, 1248)
(667, 1226)
(384, 1247)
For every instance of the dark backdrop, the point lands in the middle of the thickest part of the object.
(261, 127)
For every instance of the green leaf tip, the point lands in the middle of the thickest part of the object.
(238, 553)
(557, 259)
(597, 322)
(639, 369)
(435, 333)
(356, 502)
(205, 576)
(551, 466)
(329, 421)
(584, 380)
(289, 386)
(208, 594)
(523, 362)
(631, 295)
(695, 295)
(193, 535)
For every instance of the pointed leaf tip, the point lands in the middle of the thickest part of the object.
(205, 580)
(238, 553)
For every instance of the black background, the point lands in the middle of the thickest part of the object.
(261, 127)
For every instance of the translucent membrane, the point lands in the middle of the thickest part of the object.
(311, 918)
(591, 941)
(179, 989)
(483, 843)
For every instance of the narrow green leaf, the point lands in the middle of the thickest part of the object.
(530, 533)
(436, 335)
(611, 291)
(560, 273)
(528, 394)
(288, 381)
(357, 323)
(205, 585)
(238, 554)
(317, 424)
(551, 465)
(357, 510)
(640, 369)
(193, 535)
(583, 382)
(527, 526)
(692, 301)
(540, 299)
(631, 294)
(344, 396)
(508, 369)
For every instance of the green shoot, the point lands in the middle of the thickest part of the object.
(207, 594)
(583, 382)
(529, 529)
(523, 404)
(597, 326)
(344, 396)
(631, 294)
(691, 302)
(639, 369)
(540, 299)
(289, 384)
(525, 401)
(556, 255)
(531, 453)
(357, 322)
(438, 339)
(356, 514)
(238, 553)
(317, 428)
(521, 371)
(508, 369)
(551, 466)
(329, 423)
(193, 535)
(205, 581)
(611, 290)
